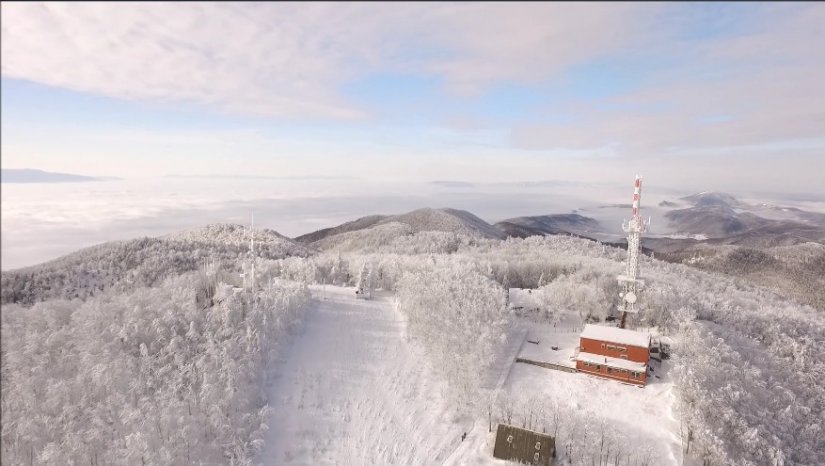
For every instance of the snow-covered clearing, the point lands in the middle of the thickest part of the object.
(542, 338)
(642, 417)
(352, 390)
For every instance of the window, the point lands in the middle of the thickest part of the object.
(621, 348)
(602, 345)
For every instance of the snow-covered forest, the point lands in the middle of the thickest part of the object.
(149, 376)
(127, 265)
(750, 381)
(461, 319)
(171, 368)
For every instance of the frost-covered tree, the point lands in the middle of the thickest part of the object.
(461, 319)
(145, 377)
(364, 286)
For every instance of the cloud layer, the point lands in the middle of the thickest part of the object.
(758, 86)
(595, 88)
(290, 59)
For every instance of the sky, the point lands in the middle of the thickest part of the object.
(711, 96)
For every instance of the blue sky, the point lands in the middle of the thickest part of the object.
(479, 92)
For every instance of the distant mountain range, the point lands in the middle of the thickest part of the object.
(28, 175)
(777, 247)
(720, 218)
(704, 218)
(558, 224)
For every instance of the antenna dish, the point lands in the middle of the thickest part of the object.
(630, 297)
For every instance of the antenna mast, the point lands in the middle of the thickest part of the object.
(629, 281)
(252, 251)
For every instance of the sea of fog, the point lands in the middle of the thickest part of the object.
(42, 221)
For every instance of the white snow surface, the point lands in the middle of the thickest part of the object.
(612, 362)
(352, 390)
(616, 335)
(644, 415)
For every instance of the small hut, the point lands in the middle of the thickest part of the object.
(524, 446)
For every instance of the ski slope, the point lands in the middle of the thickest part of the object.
(352, 390)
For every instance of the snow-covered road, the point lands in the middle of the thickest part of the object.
(351, 390)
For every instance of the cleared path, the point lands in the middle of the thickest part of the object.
(351, 390)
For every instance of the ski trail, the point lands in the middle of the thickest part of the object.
(351, 390)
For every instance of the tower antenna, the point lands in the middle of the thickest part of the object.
(629, 281)
(252, 251)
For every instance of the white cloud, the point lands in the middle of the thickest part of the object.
(754, 81)
(290, 59)
(765, 84)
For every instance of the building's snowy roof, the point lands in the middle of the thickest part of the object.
(625, 278)
(616, 335)
(612, 362)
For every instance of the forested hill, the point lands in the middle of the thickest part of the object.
(522, 227)
(126, 265)
(355, 225)
(390, 227)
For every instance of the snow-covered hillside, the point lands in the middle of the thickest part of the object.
(230, 233)
(125, 265)
(744, 382)
(373, 237)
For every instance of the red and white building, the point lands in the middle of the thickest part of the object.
(614, 353)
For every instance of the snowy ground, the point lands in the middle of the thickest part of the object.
(352, 390)
(643, 415)
(542, 338)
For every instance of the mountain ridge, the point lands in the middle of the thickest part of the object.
(31, 175)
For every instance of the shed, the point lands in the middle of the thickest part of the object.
(525, 446)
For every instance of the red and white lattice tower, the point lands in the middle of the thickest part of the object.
(629, 282)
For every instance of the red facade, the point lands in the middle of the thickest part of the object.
(620, 361)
